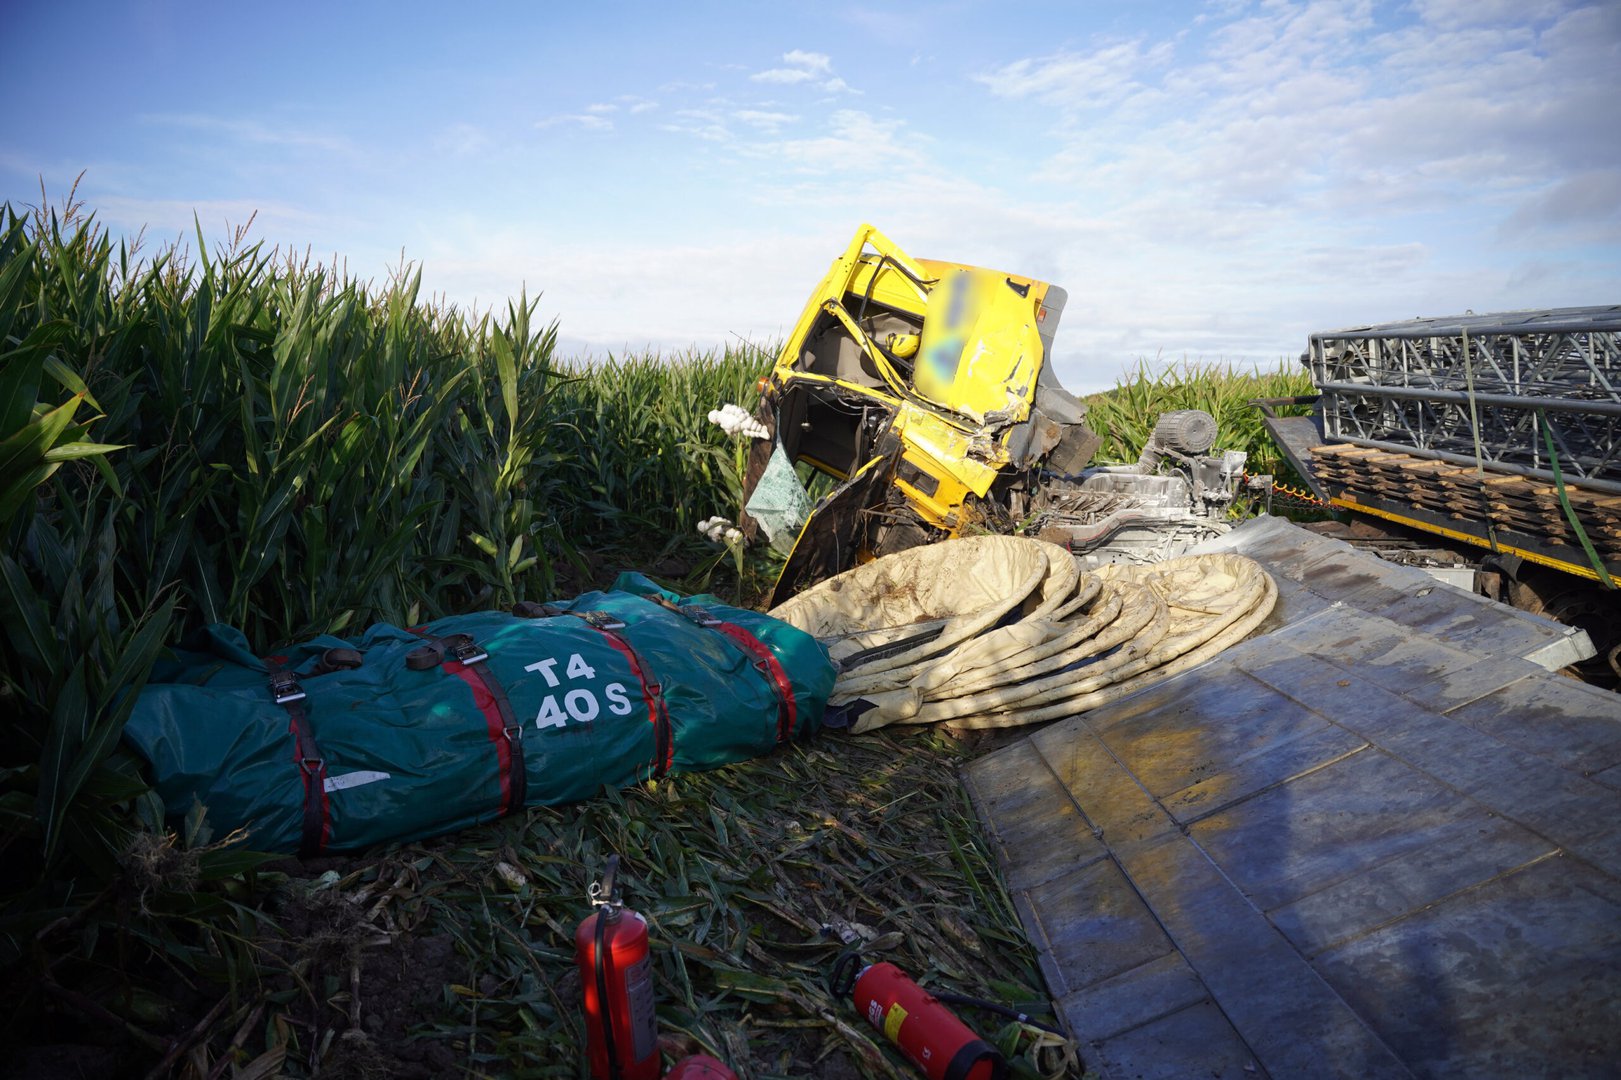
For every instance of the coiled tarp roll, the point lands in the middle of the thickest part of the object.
(1024, 635)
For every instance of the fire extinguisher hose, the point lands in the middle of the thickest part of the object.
(608, 1026)
(998, 1009)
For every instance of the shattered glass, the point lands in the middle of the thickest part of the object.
(779, 502)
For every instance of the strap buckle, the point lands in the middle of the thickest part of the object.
(513, 732)
(312, 766)
(467, 653)
(284, 688)
(698, 615)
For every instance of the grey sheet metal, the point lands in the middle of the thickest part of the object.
(1318, 572)
(1376, 841)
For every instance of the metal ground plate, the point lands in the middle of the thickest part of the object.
(1375, 841)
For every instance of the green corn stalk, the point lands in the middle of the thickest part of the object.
(37, 435)
(1125, 415)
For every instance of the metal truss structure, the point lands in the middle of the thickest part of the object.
(1480, 388)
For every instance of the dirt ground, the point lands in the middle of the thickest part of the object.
(454, 957)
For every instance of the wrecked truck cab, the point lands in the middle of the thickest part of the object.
(922, 387)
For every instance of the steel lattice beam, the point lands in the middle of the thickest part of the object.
(1472, 387)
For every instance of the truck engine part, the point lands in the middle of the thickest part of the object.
(1174, 497)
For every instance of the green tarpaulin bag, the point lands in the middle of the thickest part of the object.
(339, 744)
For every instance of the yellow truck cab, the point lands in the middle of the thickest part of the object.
(921, 386)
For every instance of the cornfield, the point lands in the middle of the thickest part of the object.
(246, 438)
(242, 438)
(1125, 415)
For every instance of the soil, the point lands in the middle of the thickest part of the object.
(400, 984)
(429, 960)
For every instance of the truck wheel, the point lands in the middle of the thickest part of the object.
(1587, 606)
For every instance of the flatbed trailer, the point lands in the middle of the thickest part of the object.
(1497, 435)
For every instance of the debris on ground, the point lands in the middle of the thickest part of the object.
(460, 954)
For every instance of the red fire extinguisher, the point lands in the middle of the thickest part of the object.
(617, 978)
(926, 1031)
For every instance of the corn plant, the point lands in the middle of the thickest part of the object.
(637, 444)
(1125, 415)
(491, 473)
(265, 456)
(37, 434)
(229, 436)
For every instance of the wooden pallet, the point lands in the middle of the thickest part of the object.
(1460, 493)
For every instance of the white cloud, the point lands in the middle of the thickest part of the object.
(706, 124)
(763, 120)
(1308, 107)
(810, 61)
(1450, 14)
(783, 75)
(588, 121)
(1078, 80)
(1586, 204)
(852, 135)
(805, 67)
(1310, 164)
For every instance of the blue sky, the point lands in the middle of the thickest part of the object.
(1208, 180)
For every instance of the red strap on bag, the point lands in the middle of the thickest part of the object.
(315, 831)
(765, 662)
(658, 710)
(459, 655)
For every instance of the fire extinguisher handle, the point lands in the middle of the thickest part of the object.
(602, 893)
